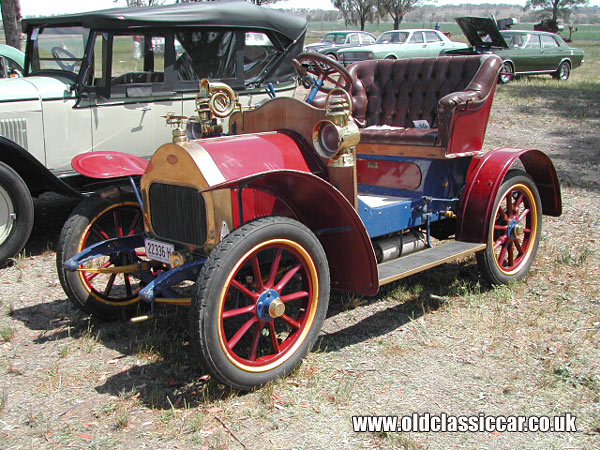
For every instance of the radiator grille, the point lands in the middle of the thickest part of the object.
(15, 130)
(178, 213)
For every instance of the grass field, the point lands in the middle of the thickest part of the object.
(441, 341)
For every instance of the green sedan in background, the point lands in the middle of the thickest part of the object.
(522, 52)
(400, 44)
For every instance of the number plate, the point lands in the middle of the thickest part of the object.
(160, 251)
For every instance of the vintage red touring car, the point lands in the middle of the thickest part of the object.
(378, 175)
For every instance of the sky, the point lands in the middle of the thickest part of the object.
(48, 7)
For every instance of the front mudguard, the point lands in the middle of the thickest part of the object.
(484, 177)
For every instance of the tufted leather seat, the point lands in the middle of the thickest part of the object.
(389, 95)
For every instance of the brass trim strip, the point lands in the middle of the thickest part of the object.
(438, 262)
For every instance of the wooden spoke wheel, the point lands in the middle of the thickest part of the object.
(106, 285)
(260, 302)
(515, 229)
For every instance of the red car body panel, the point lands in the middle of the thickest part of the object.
(243, 155)
(484, 178)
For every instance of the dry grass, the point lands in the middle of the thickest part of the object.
(443, 340)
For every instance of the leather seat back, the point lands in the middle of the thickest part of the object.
(396, 92)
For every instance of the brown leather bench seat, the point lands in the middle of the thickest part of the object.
(388, 95)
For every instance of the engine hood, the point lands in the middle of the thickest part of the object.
(481, 31)
(34, 88)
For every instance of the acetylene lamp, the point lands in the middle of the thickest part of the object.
(336, 137)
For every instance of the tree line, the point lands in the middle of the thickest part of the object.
(361, 12)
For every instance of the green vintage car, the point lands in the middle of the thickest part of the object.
(522, 52)
(401, 44)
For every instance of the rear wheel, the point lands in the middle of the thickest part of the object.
(515, 230)
(260, 302)
(563, 72)
(101, 287)
(507, 73)
(16, 213)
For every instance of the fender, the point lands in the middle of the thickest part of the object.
(323, 209)
(37, 177)
(484, 177)
(106, 165)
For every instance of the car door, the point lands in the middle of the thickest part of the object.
(434, 42)
(552, 53)
(131, 93)
(416, 46)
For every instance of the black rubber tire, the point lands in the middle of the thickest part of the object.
(332, 56)
(21, 203)
(70, 243)
(205, 314)
(486, 259)
(506, 68)
(563, 72)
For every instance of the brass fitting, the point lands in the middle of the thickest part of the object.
(337, 136)
(177, 122)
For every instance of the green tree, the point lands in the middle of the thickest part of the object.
(357, 11)
(11, 18)
(397, 9)
(558, 8)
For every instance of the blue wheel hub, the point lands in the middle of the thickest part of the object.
(269, 305)
(512, 228)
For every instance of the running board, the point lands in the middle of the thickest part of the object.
(425, 259)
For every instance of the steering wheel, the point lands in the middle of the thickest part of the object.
(323, 68)
(56, 51)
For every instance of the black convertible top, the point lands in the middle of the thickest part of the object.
(212, 14)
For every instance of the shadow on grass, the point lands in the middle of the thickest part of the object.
(166, 372)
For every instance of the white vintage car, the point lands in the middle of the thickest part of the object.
(102, 81)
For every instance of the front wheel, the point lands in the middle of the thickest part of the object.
(260, 302)
(563, 72)
(16, 213)
(515, 230)
(102, 287)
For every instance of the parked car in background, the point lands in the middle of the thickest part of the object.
(400, 44)
(12, 62)
(335, 41)
(522, 52)
(102, 80)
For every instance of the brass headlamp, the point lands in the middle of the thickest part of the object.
(336, 137)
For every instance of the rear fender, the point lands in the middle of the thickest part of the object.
(484, 177)
(324, 210)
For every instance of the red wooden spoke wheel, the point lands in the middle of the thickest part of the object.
(104, 285)
(261, 300)
(515, 228)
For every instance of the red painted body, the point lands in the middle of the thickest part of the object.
(323, 209)
(484, 178)
(109, 165)
(243, 155)
(467, 130)
(395, 174)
